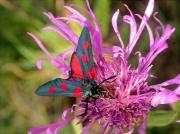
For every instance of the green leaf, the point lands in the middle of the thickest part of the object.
(67, 129)
(53, 41)
(176, 107)
(102, 12)
(71, 128)
(78, 2)
(77, 128)
(161, 118)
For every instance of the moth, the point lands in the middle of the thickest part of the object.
(82, 76)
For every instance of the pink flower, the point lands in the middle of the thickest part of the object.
(130, 96)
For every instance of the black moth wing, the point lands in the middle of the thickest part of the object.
(83, 66)
(63, 87)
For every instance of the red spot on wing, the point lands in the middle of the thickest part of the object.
(92, 74)
(86, 45)
(77, 92)
(63, 87)
(71, 79)
(76, 68)
(52, 90)
(84, 58)
(89, 75)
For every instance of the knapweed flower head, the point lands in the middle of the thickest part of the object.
(130, 96)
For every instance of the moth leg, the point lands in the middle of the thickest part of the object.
(87, 102)
(96, 106)
(86, 108)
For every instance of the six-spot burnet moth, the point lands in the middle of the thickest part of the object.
(81, 81)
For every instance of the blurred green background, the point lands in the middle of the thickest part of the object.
(20, 108)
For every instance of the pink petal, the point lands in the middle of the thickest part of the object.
(173, 81)
(93, 18)
(75, 12)
(39, 63)
(85, 128)
(164, 97)
(116, 51)
(161, 24)
(130, 132)
(71, 18)
(114, 24)
(146, 17)
(53, 28)
(39, 43)
(53, 128)
(177, 90)
(63, 26)
(133, 26)
(107, 50)
(151, 38)
(158, 46)
(96, 33)
(142, 127)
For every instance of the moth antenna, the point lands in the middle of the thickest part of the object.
(106, 80)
